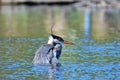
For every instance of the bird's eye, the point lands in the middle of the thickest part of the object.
(60, 39)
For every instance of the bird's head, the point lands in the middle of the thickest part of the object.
(54, 39)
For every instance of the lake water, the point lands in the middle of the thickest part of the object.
(95, 32)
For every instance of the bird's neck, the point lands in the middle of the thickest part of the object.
(50, 43)
(50, 40)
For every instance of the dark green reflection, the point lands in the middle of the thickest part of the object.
(36, 22)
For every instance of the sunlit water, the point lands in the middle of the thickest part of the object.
(95, 55)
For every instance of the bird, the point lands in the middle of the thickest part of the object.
(50, 53)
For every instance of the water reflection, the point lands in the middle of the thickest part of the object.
(36, 21)
(23, 29)
(55, 74)
(48, 72)
(87, 27)
(104, 25)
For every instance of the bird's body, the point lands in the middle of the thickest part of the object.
(46, 53)
(49, 54)
(41, 55)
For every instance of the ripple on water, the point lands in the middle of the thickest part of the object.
(82, 62)
(85, 71)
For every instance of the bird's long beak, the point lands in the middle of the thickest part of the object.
(68, 42)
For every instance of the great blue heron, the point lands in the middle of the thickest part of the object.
(49, 54)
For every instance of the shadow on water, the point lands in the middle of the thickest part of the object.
(95, 55)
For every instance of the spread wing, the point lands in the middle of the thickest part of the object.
(43, 54)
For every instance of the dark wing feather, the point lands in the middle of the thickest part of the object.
(43, 54)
